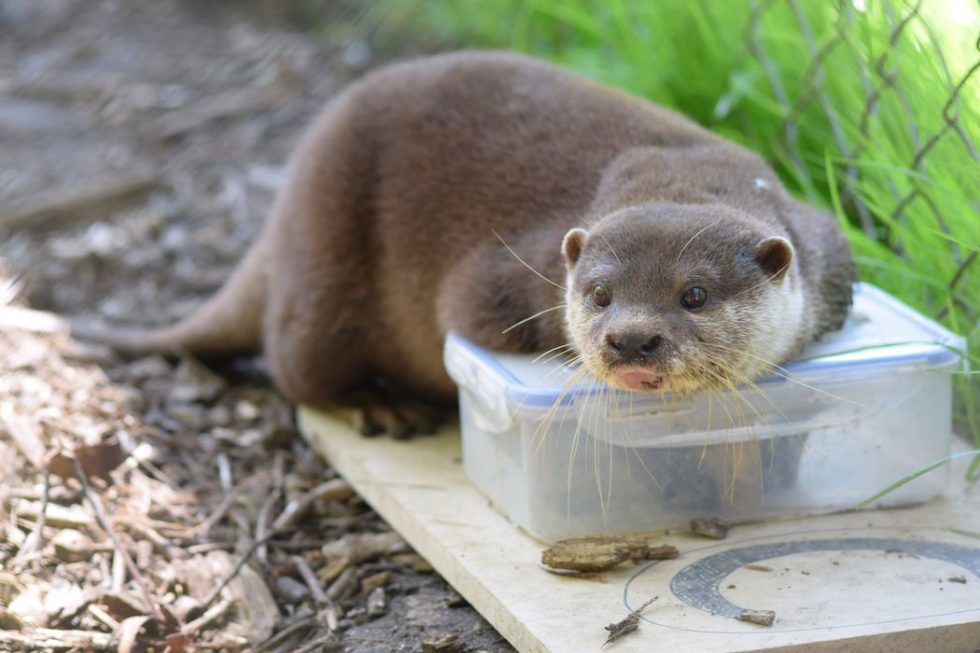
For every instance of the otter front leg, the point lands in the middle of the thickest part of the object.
(326, 371)
(508, 297)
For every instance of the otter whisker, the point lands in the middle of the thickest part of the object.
(783, 373)
(560, 349)
(529, 318)
(612, 250)
(525, 263)
(691, 239)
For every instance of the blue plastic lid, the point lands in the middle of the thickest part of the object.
(879, 331)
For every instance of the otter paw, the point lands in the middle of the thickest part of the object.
(398, 417)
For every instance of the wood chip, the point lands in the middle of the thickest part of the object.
(446, 644)
(97, 460)
(56, 515)
(374, 581)
(376, 602)
(25, 433)
(598, 553)
(72, 546)
(290, 590)
(714, 528)
(759, 617)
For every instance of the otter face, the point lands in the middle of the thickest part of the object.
(681, 297)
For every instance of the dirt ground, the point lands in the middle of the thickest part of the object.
(141, 143)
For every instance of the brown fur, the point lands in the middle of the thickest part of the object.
(389, 231)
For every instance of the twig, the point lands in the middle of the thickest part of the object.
(104, 617)
(205, 526)
(215, 612)
(100, 516)
(265, 514)
(118, 572)
(316, 589)
(330, 490)
(287, 632)
(323, 644)
(209, 599)
(34, 540)
(627, 625)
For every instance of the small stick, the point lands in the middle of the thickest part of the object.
(627, 625)
(36, 537)
(265, 514)
(333, 489)
(127, 559)
(104, 617)
(309, 577)
(287, 632)
(205, 526)
(118, 572)
(209, 599)
(215, 612)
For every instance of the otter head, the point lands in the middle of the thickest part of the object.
(681, 297)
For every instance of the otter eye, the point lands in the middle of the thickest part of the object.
(694, 298)
(601, 295)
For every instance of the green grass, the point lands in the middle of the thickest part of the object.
(750, 76)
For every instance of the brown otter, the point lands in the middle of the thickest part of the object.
(425, 194)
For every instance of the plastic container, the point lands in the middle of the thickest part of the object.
(855, 412)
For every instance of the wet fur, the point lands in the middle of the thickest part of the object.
(390, 229)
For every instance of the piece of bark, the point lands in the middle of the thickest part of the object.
(714, 528)
(759, 617)
(449, 643)
(601, 552)
(41, 639)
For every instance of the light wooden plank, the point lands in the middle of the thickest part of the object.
(825, 600)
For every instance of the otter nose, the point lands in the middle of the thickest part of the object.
(634, 345)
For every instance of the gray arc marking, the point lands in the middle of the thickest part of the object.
(698, 583)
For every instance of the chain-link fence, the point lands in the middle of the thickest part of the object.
(884, 77)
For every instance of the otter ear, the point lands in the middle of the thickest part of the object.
(774, 255)
(572, 246)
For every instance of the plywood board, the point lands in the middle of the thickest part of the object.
(864, 581)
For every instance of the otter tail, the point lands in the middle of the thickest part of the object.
(228, 324)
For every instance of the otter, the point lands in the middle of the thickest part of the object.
(475, 191)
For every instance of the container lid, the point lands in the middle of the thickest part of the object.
(879, 331)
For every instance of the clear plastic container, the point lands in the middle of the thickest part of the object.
(855, 412)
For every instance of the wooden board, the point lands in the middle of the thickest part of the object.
(864, 581)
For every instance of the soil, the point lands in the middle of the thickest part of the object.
(132, 489)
